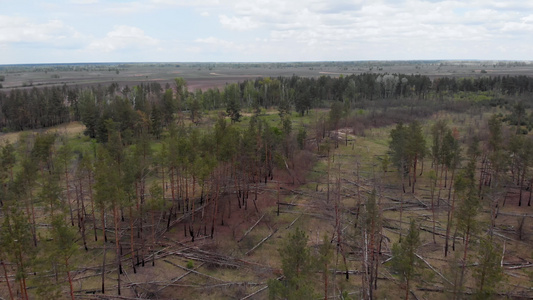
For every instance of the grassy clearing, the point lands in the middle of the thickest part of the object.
(69, 129)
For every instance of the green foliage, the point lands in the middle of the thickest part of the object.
(325, 254)
(50, 193)
(453, 272)
(297, 266)
(55, 256)
(156, 122)
(7, 161)
(416, 144)
(16, 241)
(195, 109)
(488, 273)
(466, 191)
(335, 114)
(372, 214)
(404, 260)
(438, 130)
(287, 125)
(398, 147)
(450, 151)
(169, 106)
(181, 89)
(42, 148)
(108, 184)
(385, 162)
(156, 201)
(89, 112)
(233, 108)
(301, 137)
(407, 147)
(323, 259)
(190, 264)
(63, 237)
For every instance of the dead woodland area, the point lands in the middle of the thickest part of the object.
(368, 186)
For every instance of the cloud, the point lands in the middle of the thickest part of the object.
(195, 3)
(127, 8)
(83, 2)
(123, 37)
(22, 30)
(382, 23)
(216, 42)
(269, 30)
(237, 23)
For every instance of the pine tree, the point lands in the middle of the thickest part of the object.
(325, 253)
(489, 271)
(416, 148)
(467, 210)
(16, 236)
(64, 246)
(404, 259)
(297, 266)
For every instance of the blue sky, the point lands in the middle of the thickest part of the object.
(65, 31)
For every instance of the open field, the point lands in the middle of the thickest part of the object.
(209, 75)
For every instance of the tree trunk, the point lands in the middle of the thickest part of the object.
(103, 224)
(131, 241)
(33, 223)
(69, 280)
(521, 186)
(92, 207)
(414, 173)
(117, 247)
(153, 239)
(82, 215)
(407, 288)
(450, 216)
(7, 280)
(433, 185)
(68, 198)
(530, 191)
(215, 207)
(103, 267)
(463, 267)
(278, 198)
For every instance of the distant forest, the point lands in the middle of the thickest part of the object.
(33, 108)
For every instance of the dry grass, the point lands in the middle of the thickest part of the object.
(69, 129)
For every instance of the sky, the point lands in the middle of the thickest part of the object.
(79, 31)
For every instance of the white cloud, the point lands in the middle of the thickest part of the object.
(237, 23)
(358, 25)
(123, 37)
(216, 42)
(268, 30)
(84, 1)
(22, 30)
(195, 3)
(126, 8)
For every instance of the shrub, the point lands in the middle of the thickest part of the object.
(190, 264)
